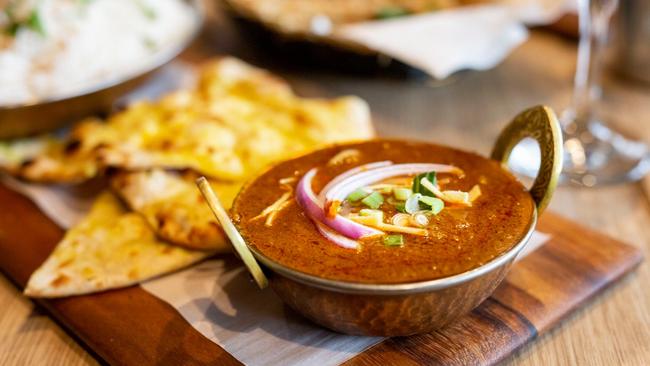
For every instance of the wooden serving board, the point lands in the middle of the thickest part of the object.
(132, 327)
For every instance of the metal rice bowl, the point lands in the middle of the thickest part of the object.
(43, 116)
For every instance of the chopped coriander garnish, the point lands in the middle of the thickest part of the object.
(357, 195)
(400, 207)
(373, 200)
(393, 240)
(12, 29)
(436, 204)
(388, 12)
(417, 186)
(402, 194)
(34, 22)
(12, 26)
(429, 201)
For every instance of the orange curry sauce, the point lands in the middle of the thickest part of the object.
(460, 238)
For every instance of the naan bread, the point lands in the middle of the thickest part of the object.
(277, 126)
(174, 207)
(48, 159)
(109, 249)
(237, 120)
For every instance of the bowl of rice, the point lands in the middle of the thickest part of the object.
(64, 60)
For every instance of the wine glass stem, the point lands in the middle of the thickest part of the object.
(594, 19)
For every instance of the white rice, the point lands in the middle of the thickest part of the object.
(88, 43)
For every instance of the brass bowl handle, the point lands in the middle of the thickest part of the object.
(541, 124)
(238, 243)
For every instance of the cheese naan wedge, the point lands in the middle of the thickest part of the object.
(48, 159)
(108, 249)
(237, 120)
(173, 206)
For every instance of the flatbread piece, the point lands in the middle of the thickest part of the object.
(237, 120)
(110, 248)
(173, 206)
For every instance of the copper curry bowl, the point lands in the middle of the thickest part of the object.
(408, 279)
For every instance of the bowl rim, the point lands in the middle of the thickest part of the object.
(362, 288)
(160, 58)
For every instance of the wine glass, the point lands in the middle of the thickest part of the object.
(594, 153)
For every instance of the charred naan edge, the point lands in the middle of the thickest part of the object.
(174, 207)
(49, 159)
(108, 249)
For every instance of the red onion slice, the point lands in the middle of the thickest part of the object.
(351, 172)
(335, 237)
(314, 210)
(347, 185)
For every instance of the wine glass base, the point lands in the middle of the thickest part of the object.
(597, 155)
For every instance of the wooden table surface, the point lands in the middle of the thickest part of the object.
(468, 112)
